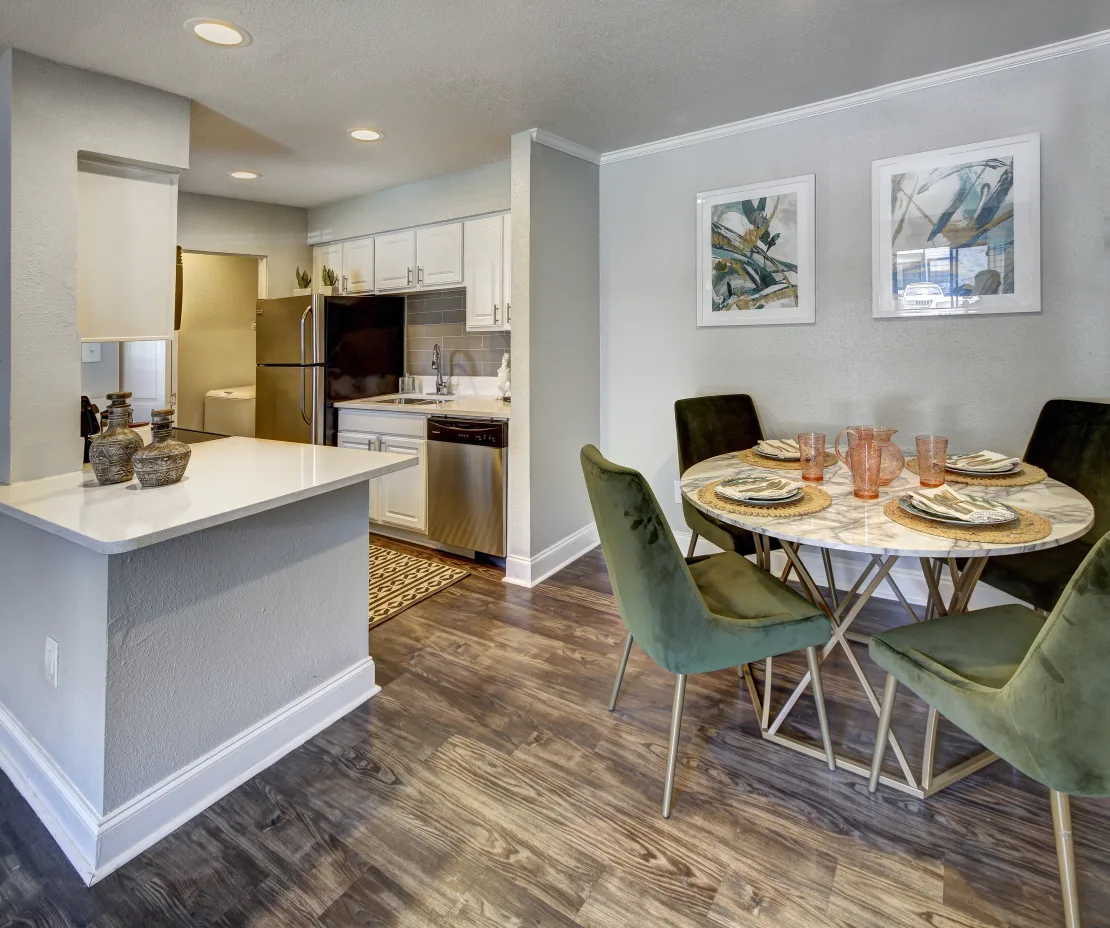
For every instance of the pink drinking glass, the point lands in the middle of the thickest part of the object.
(932, 455)
(811, 448)
(866, 456)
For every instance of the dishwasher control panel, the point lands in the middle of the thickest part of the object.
(484, 432)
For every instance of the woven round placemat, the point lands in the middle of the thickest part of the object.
(1027, 476)
(813, 500)
(758, 460)
(1030, 527)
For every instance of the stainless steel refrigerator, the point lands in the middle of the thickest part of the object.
(315, 351)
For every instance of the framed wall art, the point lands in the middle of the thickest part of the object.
(756, 254)
(957, 231)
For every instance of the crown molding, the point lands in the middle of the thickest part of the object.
(551, 140)
(862, 97)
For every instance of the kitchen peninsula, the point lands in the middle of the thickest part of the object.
(193, 634)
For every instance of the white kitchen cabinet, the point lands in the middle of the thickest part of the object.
(357, 441)
(507, 268)
(485, 258)
(325, 256)
(358, 266)
(395, 261)
(403, 495)
(439, 255)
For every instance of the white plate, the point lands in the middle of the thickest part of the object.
(791, 498)
(1012, 469)
(906, 504)
(775, 456)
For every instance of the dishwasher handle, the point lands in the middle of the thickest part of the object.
(488, 434)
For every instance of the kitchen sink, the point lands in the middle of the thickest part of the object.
(407, 401)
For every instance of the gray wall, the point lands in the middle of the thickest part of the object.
(56, 112)
(242, 227)
(452, 196)
(564, 340)
(980, 381)
(174, 657)
(440, 318)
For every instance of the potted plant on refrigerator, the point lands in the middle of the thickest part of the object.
(304, 283)
(328, 278)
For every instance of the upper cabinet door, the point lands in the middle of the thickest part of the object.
(483, 272)
(439, 255)
(395, 260)
(358, 266)
(507, 267)
(126, 252)
(326, 256)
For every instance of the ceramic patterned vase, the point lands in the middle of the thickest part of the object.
(112, 451)
(164, 460)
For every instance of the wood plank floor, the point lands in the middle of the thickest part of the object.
(487, 785)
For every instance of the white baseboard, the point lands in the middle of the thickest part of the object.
(525, 571)
(847, 566)
(96, 845)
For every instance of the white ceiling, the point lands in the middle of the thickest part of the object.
(449, 81)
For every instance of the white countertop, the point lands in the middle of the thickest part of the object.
(480, 407)
(227, 479)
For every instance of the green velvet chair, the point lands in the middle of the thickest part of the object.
(706, 427)
(1033, 689)
(698, 616)
(1071, 441)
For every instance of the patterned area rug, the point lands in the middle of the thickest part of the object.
(398, 580)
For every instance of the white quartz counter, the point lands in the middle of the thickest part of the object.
(227, 479)
(478, 407)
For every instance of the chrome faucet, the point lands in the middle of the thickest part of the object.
(443, 384)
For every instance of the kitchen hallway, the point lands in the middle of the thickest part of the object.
(488, 785)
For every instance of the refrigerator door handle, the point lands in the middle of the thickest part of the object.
(304, 318)
(304, 412)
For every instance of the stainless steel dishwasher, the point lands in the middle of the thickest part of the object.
(467, 462)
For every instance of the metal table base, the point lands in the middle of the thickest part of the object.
(842, 612)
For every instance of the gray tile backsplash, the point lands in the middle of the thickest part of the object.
(440, 318)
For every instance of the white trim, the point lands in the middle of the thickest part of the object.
(543, 137)
(96, 845)
(530, 571)
(873, 95)
(847, 566)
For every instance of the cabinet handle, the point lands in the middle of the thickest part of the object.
(344, 283)
(508, 312)
(419, 274)
(370, 444)
(495, 314)
(409, 276)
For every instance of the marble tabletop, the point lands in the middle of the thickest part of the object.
(851, 524)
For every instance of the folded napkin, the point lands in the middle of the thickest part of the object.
(985, 462)
(779, 447)
(757, 488)
(950, 504)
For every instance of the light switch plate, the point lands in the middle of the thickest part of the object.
(50, 661)
(678, 491)
(90, 352)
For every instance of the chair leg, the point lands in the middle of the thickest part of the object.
(676, 725)
(819, 698)
(890, 691)
(620, 672)
(693, 544)
(1065, 854)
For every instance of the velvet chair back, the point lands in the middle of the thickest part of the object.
(655, 592)
(1059, 699)
(1071, 441)
(712, 425)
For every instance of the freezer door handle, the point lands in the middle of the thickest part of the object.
(304, 318)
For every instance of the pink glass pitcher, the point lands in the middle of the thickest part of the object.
(893, 460)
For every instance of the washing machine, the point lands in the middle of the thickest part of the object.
(230, 411)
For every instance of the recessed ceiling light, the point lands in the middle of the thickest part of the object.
(245, 175)
(365, 135)
(218, 33)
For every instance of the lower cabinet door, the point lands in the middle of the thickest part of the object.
(360, 441)
(403, 496)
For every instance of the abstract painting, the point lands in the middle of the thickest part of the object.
(957, 231)
(755, 254)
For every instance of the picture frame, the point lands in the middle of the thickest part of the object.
(756, 254)
(956, 231)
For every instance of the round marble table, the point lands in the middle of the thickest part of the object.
(861, 526)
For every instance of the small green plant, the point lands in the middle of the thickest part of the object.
(303, 278)
(328, 276)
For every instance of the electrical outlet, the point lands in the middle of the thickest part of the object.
(50, 661)
(678, 491)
